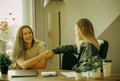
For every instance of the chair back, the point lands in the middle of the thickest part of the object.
(103, 48)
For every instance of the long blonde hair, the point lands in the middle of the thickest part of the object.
(87, 31)
(19, 45)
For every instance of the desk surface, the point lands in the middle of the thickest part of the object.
(59, 77)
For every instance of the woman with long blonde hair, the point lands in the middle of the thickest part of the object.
(86, 45)
(85, 37)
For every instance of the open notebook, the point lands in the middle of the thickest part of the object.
(23, 73)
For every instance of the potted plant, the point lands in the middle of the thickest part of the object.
(78, 71)
(5, 62)
(93, 66)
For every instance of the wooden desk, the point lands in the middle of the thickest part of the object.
(60, 77)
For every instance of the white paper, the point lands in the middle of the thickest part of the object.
(69, 74)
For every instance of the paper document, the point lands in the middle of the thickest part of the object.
(69, 74)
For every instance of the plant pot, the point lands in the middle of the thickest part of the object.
(86, 74)
(4, 69)
(78, 76)
(95, 75)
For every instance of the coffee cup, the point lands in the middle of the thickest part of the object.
(107, 65)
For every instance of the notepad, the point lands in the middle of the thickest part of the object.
(23, 73)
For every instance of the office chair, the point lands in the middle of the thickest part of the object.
(103, 48)
(69, 60)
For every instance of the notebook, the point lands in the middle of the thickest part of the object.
(23, 73)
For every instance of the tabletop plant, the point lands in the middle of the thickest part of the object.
(77, 69)
(91, 63)
(5, 62)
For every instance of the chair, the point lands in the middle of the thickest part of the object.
(103, 48)
(69, 60)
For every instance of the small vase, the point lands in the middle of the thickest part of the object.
(95, 75)
(78, 76)
(4, 69)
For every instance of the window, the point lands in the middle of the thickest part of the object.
(10, 9)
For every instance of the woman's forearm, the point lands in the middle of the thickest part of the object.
(43, 62)
(33, 61)
(41, 65)
(64, 49)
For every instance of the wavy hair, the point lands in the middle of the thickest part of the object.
(19, 44)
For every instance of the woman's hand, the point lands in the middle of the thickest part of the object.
(47, 54)
(50, 54)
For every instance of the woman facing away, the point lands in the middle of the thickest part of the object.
(86, 45)
(29, 53)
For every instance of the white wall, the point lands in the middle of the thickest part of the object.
(111, 34)
(101, 12)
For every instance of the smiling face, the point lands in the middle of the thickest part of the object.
(27, 36)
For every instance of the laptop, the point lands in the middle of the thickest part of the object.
(23, 73)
